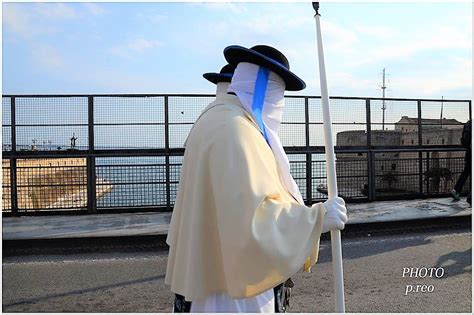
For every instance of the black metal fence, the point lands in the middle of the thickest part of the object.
(123, 153)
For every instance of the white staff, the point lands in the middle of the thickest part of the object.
(330, 171)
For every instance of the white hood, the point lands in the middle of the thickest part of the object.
(261, 93)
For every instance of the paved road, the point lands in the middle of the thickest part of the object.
(133, 282)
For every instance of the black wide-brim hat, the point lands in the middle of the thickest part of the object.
(267, 57)
(224, 76)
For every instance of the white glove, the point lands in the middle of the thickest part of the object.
(336, 214)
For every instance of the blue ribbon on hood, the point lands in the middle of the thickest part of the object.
(259, 98)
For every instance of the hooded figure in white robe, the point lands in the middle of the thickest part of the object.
(240, 226)
(221, 79)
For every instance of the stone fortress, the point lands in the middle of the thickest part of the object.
(392, 168)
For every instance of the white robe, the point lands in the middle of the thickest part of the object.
(235, 228)
(221, 302)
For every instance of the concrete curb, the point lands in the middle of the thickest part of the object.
(154, 243)
(153, 224)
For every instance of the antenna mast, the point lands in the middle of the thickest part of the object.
(383, 87)
(441, 114)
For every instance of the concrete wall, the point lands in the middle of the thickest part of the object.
(49, 183)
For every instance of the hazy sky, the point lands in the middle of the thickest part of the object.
(165, 47)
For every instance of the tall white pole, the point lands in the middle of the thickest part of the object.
(336, 248)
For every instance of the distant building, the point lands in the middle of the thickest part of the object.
(391, 167)
(409, 124)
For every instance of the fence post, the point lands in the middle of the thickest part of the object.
(427, 169)
(167, 156)
(370, 155)
(470, 109)
(309, 159)
(13, 161)
(420, 153)
(90, 160)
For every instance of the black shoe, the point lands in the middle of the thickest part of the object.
(455, 195)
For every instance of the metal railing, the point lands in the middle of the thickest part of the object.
(123, 153)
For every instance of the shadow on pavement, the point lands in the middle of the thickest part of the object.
(354, 251)
(456, 263)
(81, 291)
